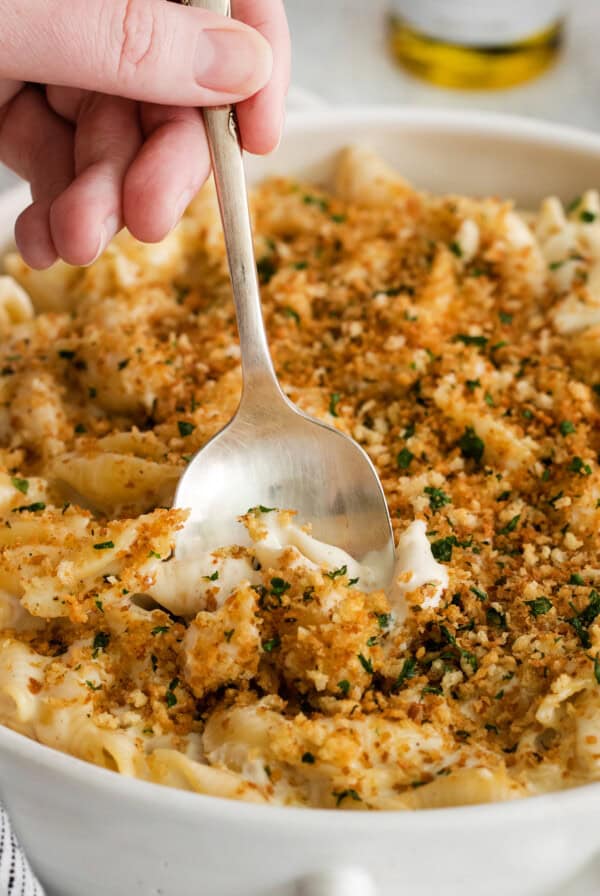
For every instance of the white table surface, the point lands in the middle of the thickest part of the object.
(340, 52)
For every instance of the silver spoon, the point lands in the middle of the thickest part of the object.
(271, 453)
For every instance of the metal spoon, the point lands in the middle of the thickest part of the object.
(271, 453)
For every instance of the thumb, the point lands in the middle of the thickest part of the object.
(147, 50)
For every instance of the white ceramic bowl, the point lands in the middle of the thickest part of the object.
(89, 831)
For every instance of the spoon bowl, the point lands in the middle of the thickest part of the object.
(271, 454)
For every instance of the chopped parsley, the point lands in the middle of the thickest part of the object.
(101, 641)
(341, 795)
(315, 200)
(578, 465)
(367, 664)
(212, 577)
(99, 605)
(279, 586)
(503, 496)
(344, 686)
(21, 485)
(300, 265)
(384, 620)
(154, 661)
(597, 668)
(408, 671)
(479, 593)
(455, 248)
(185, 428)
(587, 217)
(437, 498)
(495, 618)
(272, 644)
(266, 269)
(582, 621)
(66, 354)
(123, 364)
(339, 219)
(308, 758)
(92, 686)
(32, 508)
(154, 554)
(505, 317)
(489, 400)
(510, 526)
(466, 339)
(404, 458)
(170, 696)
(333, 403)
(471, 446)
(160, 630)
(336, 573)
(229, 634)
(432, 689)
(104, 546)
(566, 427)
(442, 548)
(473, 384)
(261, 509)
(289, 312)
(576, 579)
(540, 606)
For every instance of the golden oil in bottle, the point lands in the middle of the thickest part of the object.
(476, 44)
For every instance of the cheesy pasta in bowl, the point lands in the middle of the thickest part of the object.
(457, 340)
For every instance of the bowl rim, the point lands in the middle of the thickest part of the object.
(192, 805)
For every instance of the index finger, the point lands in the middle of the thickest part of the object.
(261, 116)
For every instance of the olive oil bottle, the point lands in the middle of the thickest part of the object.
(477, 44)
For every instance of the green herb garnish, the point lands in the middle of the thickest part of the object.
(404, 458)
(32, 508)
(367, 664)
(471, 446)
(101, 640)
(566, 427)
(21, 485)
(437, 498)
(272, 644)
(540, 606)
(185, 428)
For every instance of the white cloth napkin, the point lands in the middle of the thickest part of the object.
(16, 876)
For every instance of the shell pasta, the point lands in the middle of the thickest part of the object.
(457, 340)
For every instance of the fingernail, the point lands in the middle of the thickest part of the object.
(110, 228)
(233, 60)
(180, 206)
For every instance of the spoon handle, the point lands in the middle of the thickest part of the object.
(230, 180)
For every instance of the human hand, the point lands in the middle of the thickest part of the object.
(114, 137)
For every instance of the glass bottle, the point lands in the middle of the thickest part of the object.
(481, 44)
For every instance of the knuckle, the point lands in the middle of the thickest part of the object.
(137, 36)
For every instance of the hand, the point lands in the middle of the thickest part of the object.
(115, 138)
